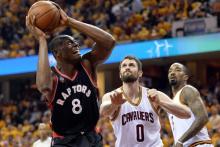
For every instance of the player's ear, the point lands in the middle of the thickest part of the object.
(120, 75)
(140, 73)
(186, 77)
(58, 54)
(120, 72)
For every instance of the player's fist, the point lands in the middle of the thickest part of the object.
(64, 18)
(153, 95)
(117, 98)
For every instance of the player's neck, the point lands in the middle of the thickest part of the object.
(131, 89)
(67, 69)
(176, 88)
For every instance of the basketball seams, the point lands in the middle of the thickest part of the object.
(40, 3)
(46, 12)
(34, 6)
(39, 16)
(37, 5)
(57, 18)
(53, 22)
(47, 15)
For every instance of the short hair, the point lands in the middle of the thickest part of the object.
(179, 30)
(186, 70)
(132, 58)
(57, 41)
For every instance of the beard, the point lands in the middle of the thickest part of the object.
(173, 82)
(128, 78)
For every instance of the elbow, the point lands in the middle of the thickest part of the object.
(110, 43)
(113, 42)
(205, 119)
(187, 113)
(202, 121)
(43, 83)
(41, 86)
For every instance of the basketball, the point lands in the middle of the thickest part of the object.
(47, 15)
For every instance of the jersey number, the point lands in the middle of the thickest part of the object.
(77, 108)
(140, 132)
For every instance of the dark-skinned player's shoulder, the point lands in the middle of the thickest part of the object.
(189, 88)
(189, 94)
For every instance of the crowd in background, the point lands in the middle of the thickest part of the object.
(127, 20)
(20, 117)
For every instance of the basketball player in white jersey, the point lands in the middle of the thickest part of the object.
(133, 108)
(189, 132)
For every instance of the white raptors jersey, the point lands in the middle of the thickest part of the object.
(180, 126)
(137, 125)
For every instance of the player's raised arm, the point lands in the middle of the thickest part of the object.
(104, 42)
(43, 77)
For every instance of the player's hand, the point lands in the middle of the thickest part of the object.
(117, 98)
(36, 32)
(64, 19)
(153, 95)
(63, 16)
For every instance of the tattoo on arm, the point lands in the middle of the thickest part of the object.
(192, 98)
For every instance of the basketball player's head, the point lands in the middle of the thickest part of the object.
(65, 49)
(130, 69)
(178, 74)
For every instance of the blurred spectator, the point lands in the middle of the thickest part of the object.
(217, 91)
(128, 20)
(44, 136)
(179, 32)
(215, 9)
(214, 119)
